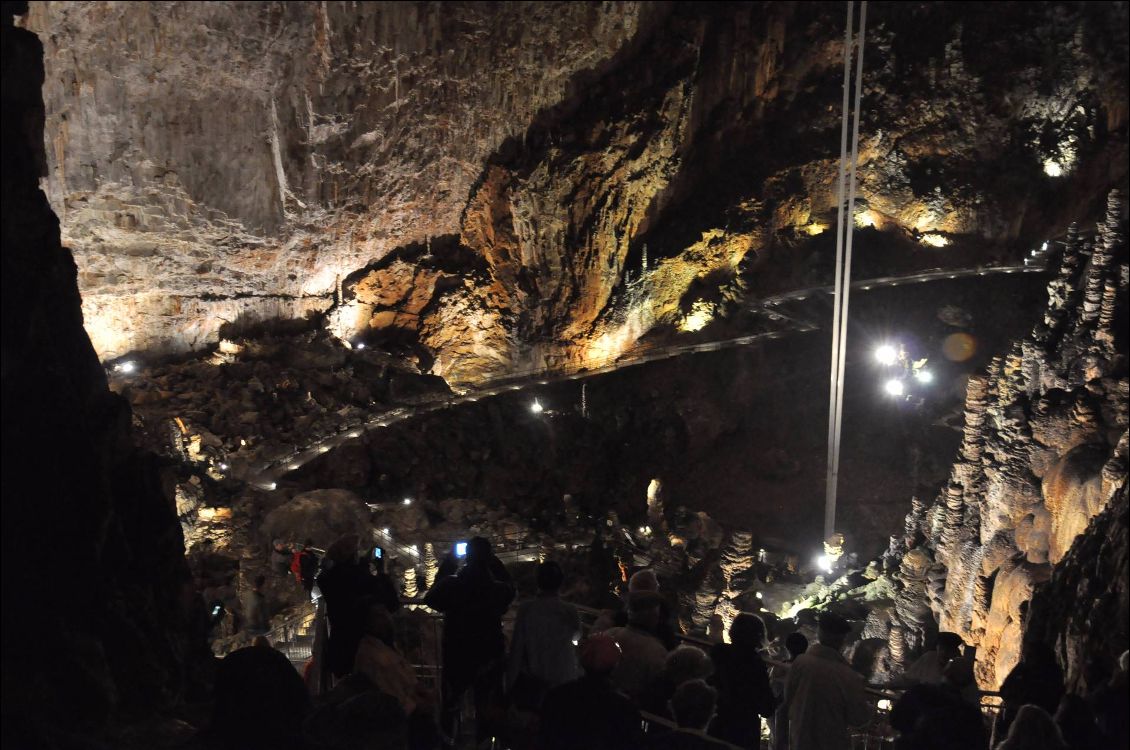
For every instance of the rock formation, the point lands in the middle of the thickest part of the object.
(97, 596)
(1043, 452)
(483, 179)
(1082, 611)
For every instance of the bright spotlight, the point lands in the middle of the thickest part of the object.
(407, 501)
(359, 345)
(759, 595)
(894, 387)
(886, 355)
(461, 549)
(1053, 168)
(1044, 247)
(536, 407)
(924, 376)
(126, 367)
(824, 562)
(385, 531)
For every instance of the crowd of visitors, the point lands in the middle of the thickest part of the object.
(631, 683)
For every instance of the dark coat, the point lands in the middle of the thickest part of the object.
(744, 694)
(349, 591)
(260, 701)
(473, 603)
(589, 714)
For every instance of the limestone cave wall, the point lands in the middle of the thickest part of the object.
(95, 618)
(1044, 451)
(524, 184)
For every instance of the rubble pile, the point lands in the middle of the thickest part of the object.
(255, 399)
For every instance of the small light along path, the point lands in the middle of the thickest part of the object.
(265, 474)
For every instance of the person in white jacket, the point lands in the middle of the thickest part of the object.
(824, 696)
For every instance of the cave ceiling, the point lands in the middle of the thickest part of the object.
(515, 185)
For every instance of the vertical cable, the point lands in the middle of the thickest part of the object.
(830, 483)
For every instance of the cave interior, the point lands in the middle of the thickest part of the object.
(562, 275)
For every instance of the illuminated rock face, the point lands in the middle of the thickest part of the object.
(1044, 451)
(227, 162)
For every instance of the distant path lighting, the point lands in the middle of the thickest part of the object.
(536, 407)
(407, 501)
(886, 355)
(894, 387)
(924, 376)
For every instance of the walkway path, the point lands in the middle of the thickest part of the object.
(265, 474)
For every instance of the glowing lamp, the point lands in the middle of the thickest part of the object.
(886, 355)
(824, 562)
(385, 531)
(759, 595)
(894, 387)
(126, 367)
(407, 501)
(461, 549)
(924, 376)
(1044, 247)
(536, 407)
(223, 467)
(1053, 168)
(360, 345)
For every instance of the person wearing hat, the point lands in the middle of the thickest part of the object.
(643, 580)
(824, 696)
(644, 655)
(589, 712)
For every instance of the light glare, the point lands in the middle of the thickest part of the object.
(886, 354)
(894, 387)
(924, 376)
(536, 407)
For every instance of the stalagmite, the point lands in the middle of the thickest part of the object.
(1024, 419)
(411, 589)
(431, 565)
